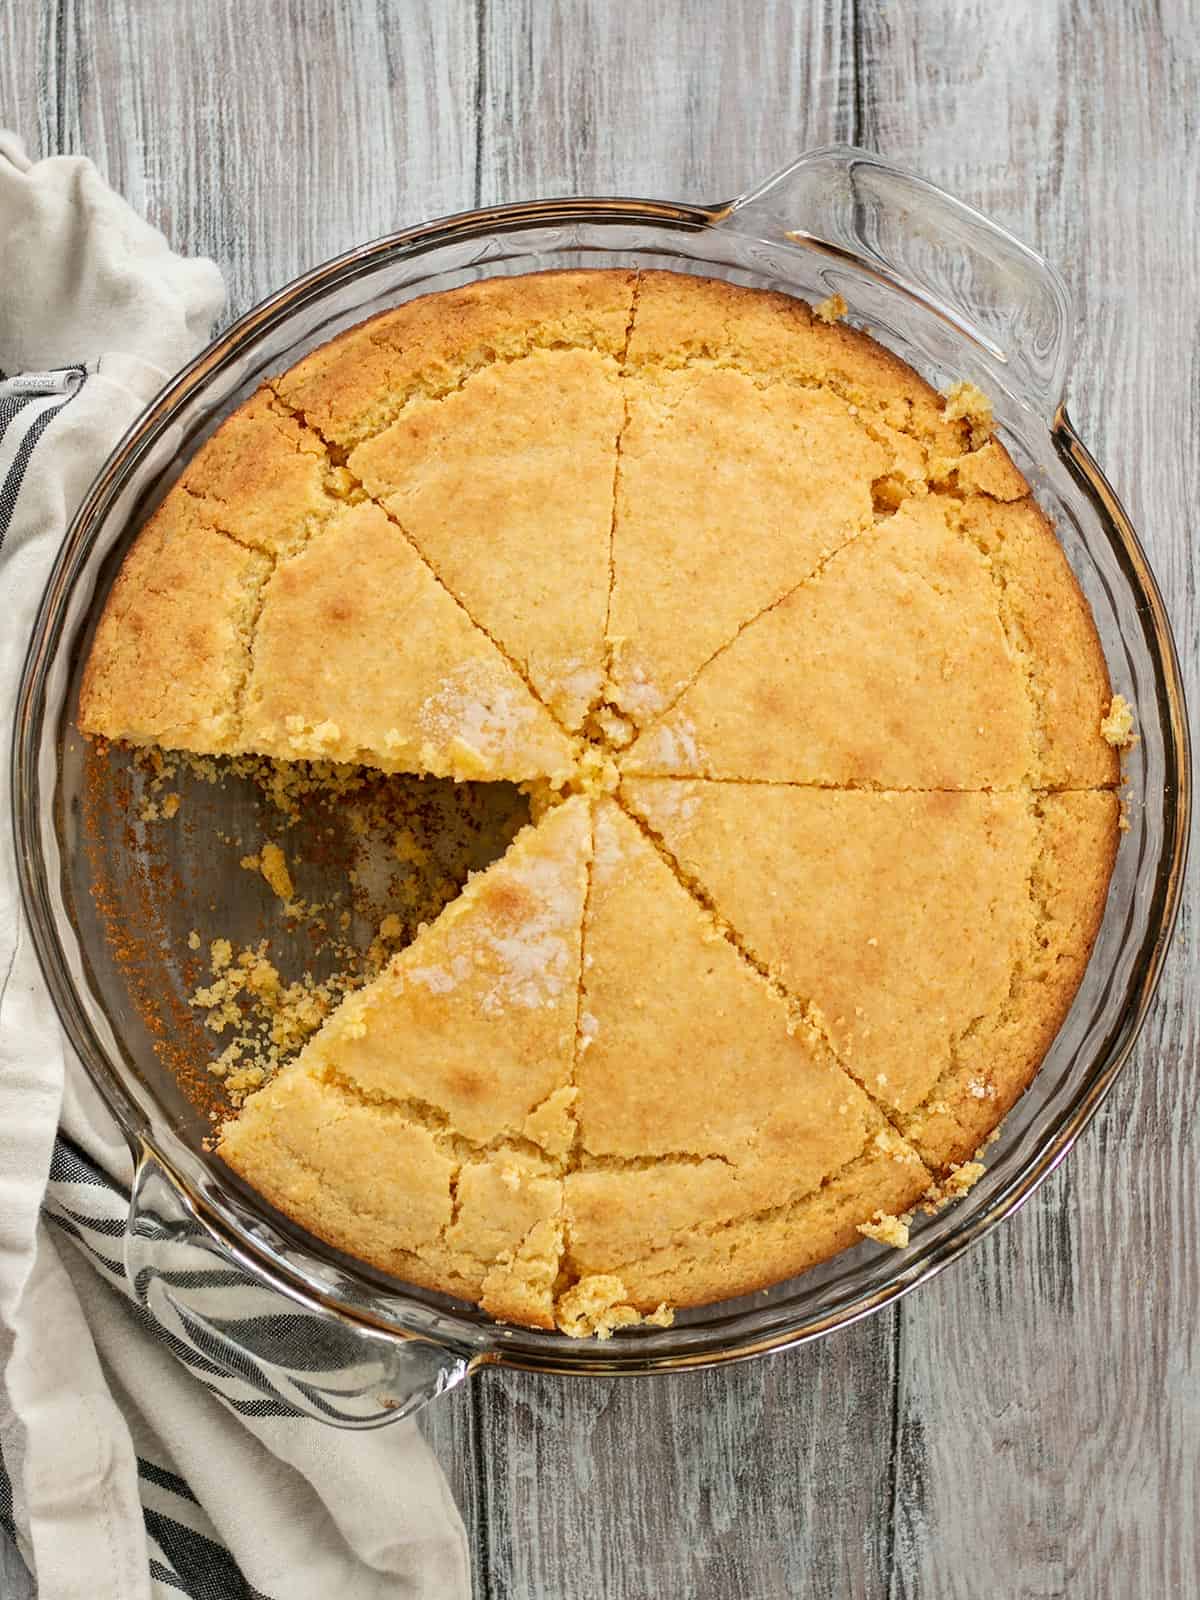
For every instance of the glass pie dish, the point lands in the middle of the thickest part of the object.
(956, 297)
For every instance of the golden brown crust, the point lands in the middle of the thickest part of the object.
(358, 383)
(514, 515)
(361, 655)
(1076, 847)
(172, 650)
(381, 1188)
(753, 1252)
(659, 1071)
(261, 478)
(1050, 623)
(889, 667)
(680, 319)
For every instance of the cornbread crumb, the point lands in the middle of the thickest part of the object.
(830, 310)
(958, 1181)
(886, 1229)
(275, 870)
(193, 940)
(595, 1307)
(270, 1019)
(1116, 728)
(609, 725)
(965, 402)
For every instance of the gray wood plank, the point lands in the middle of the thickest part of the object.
(29, 86)
(767, 1480)
(775, 1479)
(274, 136)
(1050, 1394)
(684, 101)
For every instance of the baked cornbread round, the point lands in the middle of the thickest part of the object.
(811, 704)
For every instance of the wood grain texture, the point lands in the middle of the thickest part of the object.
(1028, 1425)
(684, 101)
(1084, 1435)
(275, 135)
(705, 1486)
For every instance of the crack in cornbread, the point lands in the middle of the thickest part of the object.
(801, 1008)
(858, 889)
(609, 533)
(360, 492)
(603, 716)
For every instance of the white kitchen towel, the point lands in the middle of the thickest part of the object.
(123, 1473)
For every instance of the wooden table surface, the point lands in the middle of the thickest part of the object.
(1029, 1424)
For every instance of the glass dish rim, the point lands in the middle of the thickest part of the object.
(619, 1357)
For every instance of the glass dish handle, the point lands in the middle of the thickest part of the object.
(251, 1340)
(968, 270)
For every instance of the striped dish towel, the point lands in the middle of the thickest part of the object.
(28, 405)
(138, 1460)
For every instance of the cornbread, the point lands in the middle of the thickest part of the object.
(821, 752)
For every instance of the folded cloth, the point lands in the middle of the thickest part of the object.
(123, 1472)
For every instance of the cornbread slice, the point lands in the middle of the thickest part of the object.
(356, 384)
(899, 918)
(891, 668)
(361, 655)
(476, 1018)
(506, 486)
(262, 479)
(722, 474)
(172, 649)
(701, 1096)
(429, 1116)
(993, 1063)
(683, 319)
(717, 1260)
(401, 1195)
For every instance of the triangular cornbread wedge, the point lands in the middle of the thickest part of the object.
(891, 667)
(506, 486)
(784, 435)
(436, 1102)
(683, 319)
(402, 1195)
(763, 483)
(476, 1018)
(938, 938)
(172, 648)
(701, 1097)
(361, 655)
(262, 479)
